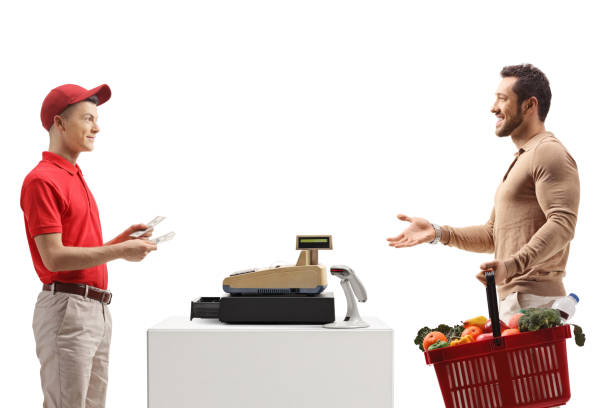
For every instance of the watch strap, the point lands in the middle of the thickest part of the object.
(436, 228)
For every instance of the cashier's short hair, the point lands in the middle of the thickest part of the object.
(93, 98)
(530, 82)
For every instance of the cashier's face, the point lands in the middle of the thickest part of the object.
(80, 127)
(506, 108)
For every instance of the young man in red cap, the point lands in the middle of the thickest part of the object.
(72, 324)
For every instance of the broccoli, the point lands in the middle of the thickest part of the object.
(542, 318)
(539, 318)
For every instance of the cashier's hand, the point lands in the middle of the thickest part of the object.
(501, 273)
(125, 235)
(419, 232)
(135, 250)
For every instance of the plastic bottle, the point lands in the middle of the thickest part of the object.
(566, 306)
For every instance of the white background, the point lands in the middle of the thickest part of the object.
(248, 122)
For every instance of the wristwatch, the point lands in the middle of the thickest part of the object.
(436, 228)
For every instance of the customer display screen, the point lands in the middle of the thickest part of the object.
(314, 242)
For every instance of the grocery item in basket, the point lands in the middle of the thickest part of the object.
(432, 338)
(543, 318)
(510, 332)
(473, 331)
(535, 319)
(479, 321)
(579, 336)
(566, 306)
(488, 327)
(513, 322)
(438, 345)
(484, 336)
(450, 332)
(462, 340)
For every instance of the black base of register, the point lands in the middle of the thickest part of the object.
(290, 309)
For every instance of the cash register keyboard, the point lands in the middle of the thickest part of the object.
(251, 270)
(244, 271)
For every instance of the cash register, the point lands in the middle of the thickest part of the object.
(288, 294)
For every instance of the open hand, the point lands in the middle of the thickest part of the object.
(419, 231)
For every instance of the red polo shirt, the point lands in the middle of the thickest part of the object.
(55, 198)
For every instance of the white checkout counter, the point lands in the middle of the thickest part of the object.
(206, 363)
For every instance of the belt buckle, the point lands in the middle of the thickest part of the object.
(110, 297)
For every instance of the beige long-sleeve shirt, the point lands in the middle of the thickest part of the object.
(533, 219)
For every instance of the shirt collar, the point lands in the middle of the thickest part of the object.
(59, 161)
(531, 143)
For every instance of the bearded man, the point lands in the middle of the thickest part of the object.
(535, 207)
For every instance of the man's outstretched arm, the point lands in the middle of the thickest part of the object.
(57, 257)
(478, 238)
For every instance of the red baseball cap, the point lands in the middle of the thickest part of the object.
(64, 95)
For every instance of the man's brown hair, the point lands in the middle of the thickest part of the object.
(530, 82)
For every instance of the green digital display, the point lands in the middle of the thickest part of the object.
(314, 242)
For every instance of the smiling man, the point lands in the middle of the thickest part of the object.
(535, 206)
(72, 323)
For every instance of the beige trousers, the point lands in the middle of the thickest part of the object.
(514, 302)
(72, 336)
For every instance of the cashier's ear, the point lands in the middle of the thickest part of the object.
(58, 122)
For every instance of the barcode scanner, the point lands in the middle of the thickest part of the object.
(352, 287)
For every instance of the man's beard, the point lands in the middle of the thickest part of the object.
(509, 126)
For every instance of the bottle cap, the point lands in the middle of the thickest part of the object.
(575, 297)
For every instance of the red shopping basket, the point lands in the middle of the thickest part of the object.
(524, 370)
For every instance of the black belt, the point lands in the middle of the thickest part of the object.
(82, 290)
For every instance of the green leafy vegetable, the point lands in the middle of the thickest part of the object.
(451, 333)
(539, 318)
(579, 336)
(418, 340)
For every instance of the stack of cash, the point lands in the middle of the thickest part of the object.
(150, 225)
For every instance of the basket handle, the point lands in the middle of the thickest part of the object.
(492, 302)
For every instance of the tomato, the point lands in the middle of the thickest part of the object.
(484, 336)
(488, 328)
(473, 331)
(432, 337)
(513, 322)
(510, 332)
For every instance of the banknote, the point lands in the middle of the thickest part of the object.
(163, 238)
(150, 225)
